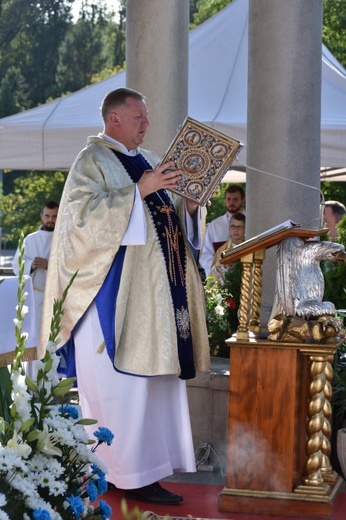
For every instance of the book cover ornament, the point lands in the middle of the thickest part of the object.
(204, 154)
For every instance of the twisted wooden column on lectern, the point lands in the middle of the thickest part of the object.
(315, 421)
(245, 297)
(256, 290)
(327, 470)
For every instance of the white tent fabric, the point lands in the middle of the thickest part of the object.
(50, 136)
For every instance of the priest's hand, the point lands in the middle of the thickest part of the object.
(161, 178)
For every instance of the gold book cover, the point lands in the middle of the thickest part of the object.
(205, 155)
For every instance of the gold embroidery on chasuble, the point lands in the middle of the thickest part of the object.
(183, 322)
(172, 236)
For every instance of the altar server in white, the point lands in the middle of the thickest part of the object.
(37, 248)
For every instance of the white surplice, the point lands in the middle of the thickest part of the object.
(148, 416)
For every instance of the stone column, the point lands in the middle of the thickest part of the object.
(283, 126)
(157, 64)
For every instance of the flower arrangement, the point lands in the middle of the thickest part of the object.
(222, 295)
(48, 466)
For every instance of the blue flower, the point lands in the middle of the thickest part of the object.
(69, 410)
(97, 471)
(102, 485)
(92, 491)
(76, 504)
(104, 435)
(106, 510)
(41, 514)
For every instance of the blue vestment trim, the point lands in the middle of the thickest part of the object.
(106, 305)
(106, 301)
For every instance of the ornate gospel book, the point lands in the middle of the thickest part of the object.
(204, 154)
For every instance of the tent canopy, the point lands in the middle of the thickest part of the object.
(50, 136)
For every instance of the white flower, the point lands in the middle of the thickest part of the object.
(8, 459)
(25, 486)
(24, 310)
(39, 462)
(219, 310)
(46, 443)
(58, 488)
(21, 397)
(21, 448)
(48, 456)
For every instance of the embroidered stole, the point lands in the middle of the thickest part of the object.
(170, 237)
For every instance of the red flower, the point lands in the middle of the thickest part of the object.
(231, 304)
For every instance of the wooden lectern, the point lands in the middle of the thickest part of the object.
(279, 408)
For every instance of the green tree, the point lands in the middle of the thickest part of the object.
(335, 275)
(79, 53)
(13, 92)
(120, 37)
(334, 28)
(30, 35)
(334, 190)
(21, 209)
(207, 8)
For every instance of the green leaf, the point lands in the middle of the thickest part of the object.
(31, 384)
(60, 391)
(32, 436)
(87, 422)
(68, 381)
(27, 424)
(5, 393)
(48, 365)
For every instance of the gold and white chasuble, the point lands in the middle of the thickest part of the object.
(94, 214)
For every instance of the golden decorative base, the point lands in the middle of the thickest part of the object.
(305, 502)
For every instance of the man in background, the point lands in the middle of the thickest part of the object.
(37, 248)
(333, 213)
(217, 231)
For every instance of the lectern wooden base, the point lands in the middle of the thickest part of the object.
(278, 430)
(281, 504)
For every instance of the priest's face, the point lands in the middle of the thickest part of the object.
(48, 217)
(130, 122)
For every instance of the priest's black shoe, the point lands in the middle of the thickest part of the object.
(153, 493)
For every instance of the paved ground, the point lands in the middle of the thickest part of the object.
(211, 478)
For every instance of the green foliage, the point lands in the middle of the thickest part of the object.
(52, 55)
(334, 28)
(207, 8)
(222, 303)
(13, 92)
(335, 275)
(334, 190)
(339, 384)
(5, 394)
(21, 209)
(32, 33)
(80, 53)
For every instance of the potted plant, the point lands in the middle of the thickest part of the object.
(48, 471)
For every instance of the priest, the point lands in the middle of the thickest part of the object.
(134, 328)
